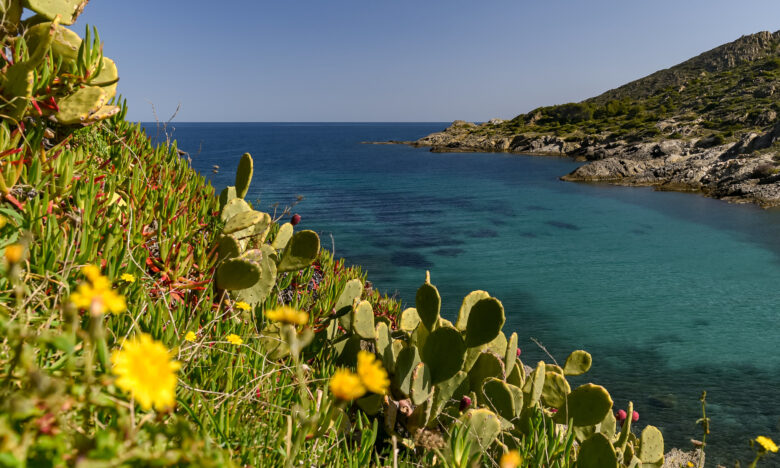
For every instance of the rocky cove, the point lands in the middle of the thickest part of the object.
(740, 171)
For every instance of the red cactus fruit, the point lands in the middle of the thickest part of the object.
(296, 218)
(465, 402)
(621, 415)
(635, 416)
(518, 352)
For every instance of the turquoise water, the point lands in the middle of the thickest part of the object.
(672, 293)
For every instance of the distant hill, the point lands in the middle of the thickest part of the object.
(709, 124)
(731, 88)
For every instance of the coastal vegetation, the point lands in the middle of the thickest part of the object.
(148, 321)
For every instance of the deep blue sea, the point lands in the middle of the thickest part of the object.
(671, 293)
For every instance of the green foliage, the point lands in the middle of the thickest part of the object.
(52, 72)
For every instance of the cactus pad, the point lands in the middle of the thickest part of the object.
(555, 390)
(234, 207)
(465, 308)
(300, 252)
(242, 221)
(237, 273)
(608, 425)
(484, 426)
(409, 320)
(391, 355)
(444, 352)
(516, 375)
(405, 364)
(428, 304)
(577, 363)
(420, 389)
(485, 321)
(352, 291)
(510, 354)
(107, 78)
(103, 113)
(283, 236)
(65, 43)
(77, 107)
(534, 384)
(499, 397)
(597, 452)
(498, 345)
(244, 175)
(487, 365)
(651, 446)
(363, 320)
(587, 405)
(228, 193)
(259, 291)
(68, 10)
(227, 247)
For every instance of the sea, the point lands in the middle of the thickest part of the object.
(672, 293)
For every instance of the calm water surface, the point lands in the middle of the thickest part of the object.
(672, 293)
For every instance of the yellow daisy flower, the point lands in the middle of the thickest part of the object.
(510, 459)
(767, 443)
(234, 339)
(127, 278)
(345, 385)
(371, 372)
(242, 306)
(286, 314)
(190, 336)
(145, 370)
(96, 296)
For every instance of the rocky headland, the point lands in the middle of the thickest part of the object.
(740, 171)
(708, 125)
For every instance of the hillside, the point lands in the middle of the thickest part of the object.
(709, 124)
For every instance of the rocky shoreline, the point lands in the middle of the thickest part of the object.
(741, 171)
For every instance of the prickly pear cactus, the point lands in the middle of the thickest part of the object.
(597, 452)
(68, 10)
(300, 252)
(444, 352)
(244, 175)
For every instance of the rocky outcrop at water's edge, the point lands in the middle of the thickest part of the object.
(742, 171)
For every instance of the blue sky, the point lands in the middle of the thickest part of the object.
(423, 60)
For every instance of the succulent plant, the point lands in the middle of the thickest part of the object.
(251, 273)
(470, 372)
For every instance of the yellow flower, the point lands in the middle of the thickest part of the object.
(767, 443)
(14, 253)
(346, 385)
(3, 221)
(234, 339)
(371, 372)
(127, 278)
(92, 272)
(190, 336)
(145, 370)
(690, 464)
(289, 315)
(98, 298)
(242, 306)
(510, 459)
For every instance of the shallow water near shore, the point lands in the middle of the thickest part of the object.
(671, 293)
